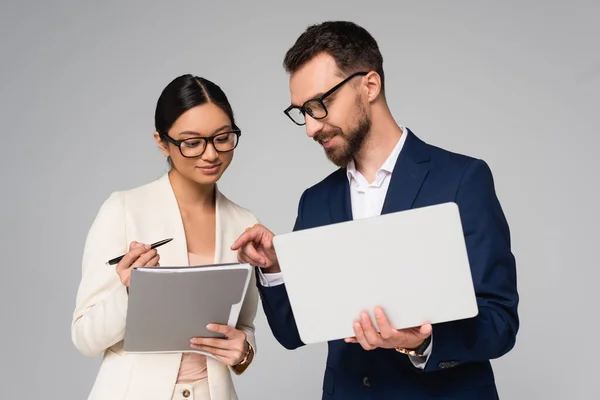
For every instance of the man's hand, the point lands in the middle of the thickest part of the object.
(388, 337)
(255, 247)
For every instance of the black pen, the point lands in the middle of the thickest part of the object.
(152, 246)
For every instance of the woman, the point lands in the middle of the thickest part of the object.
(196, 131)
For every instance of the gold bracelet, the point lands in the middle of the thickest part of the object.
(418, 351)
(409, 352)
(246, 355)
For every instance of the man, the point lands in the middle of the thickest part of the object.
(337, 92)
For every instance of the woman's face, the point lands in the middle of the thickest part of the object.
(204, 163)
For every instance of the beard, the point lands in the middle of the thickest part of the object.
(351, 142)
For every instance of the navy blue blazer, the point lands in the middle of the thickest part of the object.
(459, 365)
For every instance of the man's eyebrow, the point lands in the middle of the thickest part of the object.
(314, 97)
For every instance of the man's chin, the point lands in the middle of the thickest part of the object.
(337, 157)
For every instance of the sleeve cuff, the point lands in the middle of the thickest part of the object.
(421, 362)
(269, 280)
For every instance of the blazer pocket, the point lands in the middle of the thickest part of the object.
(328, 380)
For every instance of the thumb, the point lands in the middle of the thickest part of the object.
(425, 330)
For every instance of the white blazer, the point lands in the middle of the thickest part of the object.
(146, 214)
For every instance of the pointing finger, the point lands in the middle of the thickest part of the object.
(248, 236)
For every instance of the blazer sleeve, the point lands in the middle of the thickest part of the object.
(248, 312)
(101, 303)
(277, 307)
(492, 333)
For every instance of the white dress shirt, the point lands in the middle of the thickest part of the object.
(367, 201)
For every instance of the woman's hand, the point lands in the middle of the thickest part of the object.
(139, 255)
(230, 351)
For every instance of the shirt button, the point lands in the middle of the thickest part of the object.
(366, 381)
(186, 393)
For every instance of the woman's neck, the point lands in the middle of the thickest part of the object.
(190, 194)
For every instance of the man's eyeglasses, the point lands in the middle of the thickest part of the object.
(195, 146)
(315, 107)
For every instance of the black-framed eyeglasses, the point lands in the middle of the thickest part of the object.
(315, 107)
(196, 146)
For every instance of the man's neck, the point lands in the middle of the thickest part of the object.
(380, 143)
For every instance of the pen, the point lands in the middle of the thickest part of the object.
(152, 246)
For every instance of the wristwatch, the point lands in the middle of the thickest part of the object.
(418, 352)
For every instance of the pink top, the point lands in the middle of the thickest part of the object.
(193, 365)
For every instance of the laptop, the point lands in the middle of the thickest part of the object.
(414, 264)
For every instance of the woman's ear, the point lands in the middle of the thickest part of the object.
(162, 145)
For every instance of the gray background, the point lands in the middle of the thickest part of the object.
(515, 83)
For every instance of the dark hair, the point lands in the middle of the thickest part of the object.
(186, 92)
(352, 47)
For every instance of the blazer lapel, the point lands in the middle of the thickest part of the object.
(409, 173)
(340, 208)
(170, 224)
(225, 231)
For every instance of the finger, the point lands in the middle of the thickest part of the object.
(217, 343)
(145, 258)
(360, 336)
(153, 262)
(351, 340)
(132, 255)
(215, 351)
(253, 255)
(250, 235)
(385, 328)
(268, 242)
(227, 358)
(426, 330)
(242, 259)
(371, 335)
(226, 330)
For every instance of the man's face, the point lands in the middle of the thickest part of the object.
(347, 123)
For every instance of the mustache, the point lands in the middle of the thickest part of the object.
(327, 135)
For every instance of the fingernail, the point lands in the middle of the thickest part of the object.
(147, 246)
(210, 326)
(139, 244)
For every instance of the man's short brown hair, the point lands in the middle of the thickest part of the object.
(350, 45)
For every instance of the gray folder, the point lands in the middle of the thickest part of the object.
(169, 305)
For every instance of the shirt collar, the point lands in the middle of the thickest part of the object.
(388, 165)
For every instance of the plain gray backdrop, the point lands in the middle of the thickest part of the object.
(514, 82)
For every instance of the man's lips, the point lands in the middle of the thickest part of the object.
(326, 142)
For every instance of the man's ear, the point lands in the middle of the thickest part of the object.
(162, 146)
(373, 85)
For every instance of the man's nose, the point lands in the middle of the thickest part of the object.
(313, 126)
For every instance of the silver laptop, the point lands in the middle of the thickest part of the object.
(414, 264)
